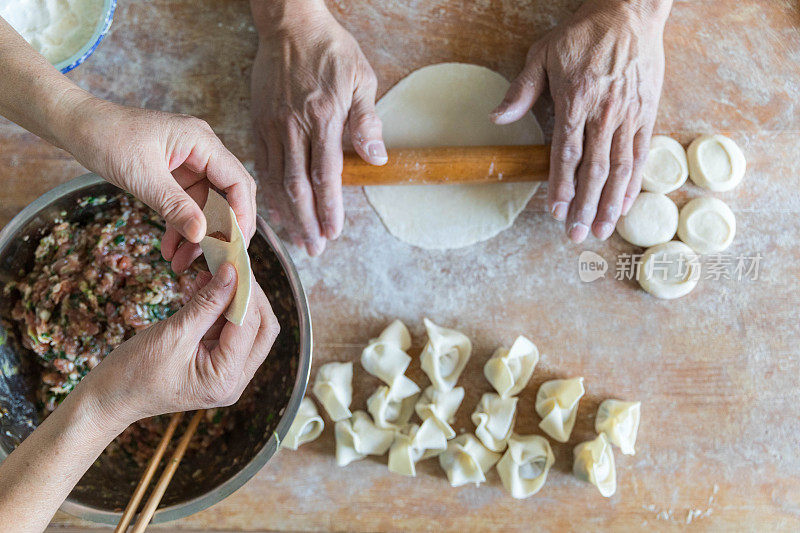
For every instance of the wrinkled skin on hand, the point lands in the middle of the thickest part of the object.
(194, 359)
(311, 83)
(604, 68)
(169, 162)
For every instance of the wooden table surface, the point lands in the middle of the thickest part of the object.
(716, 371)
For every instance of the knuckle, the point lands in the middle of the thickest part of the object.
(296, 189)
(172, 204)
(569, 154)
(204, 301)
(597, 171)
(622, 168)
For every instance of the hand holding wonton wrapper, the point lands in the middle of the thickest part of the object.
(221, 221)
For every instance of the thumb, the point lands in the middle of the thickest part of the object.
(522, 94)
(180, 211)
(207, 305)
(366, 130)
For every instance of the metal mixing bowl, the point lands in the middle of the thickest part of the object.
(205, 477)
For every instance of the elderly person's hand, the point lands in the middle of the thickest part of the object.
(309, 79)
(169, 162)
(194, 359)
(604, 68)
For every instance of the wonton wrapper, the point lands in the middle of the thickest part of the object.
(444, 356)
(557, 404)
(523, 468)
(358, 437)
(466, 460)
(494, 420)
(333, 387)
(386, 357)
(414, 444)
(392, 408)
(594, 462)
(221, 218)
(510, 370)
(620, 422)
(441, 407)
(307, 426)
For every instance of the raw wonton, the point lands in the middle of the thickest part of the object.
(444, 356)
(494, 419)
(307, 426)
(620, 422)
(466, 460)
(557, 404)
(386, 357)
(390, 408)
(509, 370)
(594, 462)
(358, 437)
(523, 468)
(441, 407)
(414, 444)
(220, 218)
(333, 387)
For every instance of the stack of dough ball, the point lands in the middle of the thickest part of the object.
(716, 163)
(707, 225)
(669, 270)
(666, 168)
(652, 219)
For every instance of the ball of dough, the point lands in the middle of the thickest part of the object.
(652, 219)
(707, 225)
(669, 270)
(716, 163)
(666, 168)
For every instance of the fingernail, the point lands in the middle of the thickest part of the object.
(330, 233)
(604, 231)
(499, 110)
(578, 231)
(225, 273)
(193, 230)
(315, 247)
(559, 210)
(377, 151)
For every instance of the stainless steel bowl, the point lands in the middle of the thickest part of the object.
(200, 481)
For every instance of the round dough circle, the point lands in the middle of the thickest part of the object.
(707, 225)
(716, 163)
(669, 270)
(666, 167)
(652, 219)
(448, 104)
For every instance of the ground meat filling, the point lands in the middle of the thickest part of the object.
(94, 285)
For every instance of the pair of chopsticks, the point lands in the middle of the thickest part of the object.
(166, 476)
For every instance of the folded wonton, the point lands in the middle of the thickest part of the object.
(620, 422)
(220, 218)
(509, 370)
(466, 460)
(557, 404)
(386, 357)
(307, 426)
(414, 444)
(494, 420)
(594, 462)
(444, 356)
(523, 468)
(358, 437)
(333, 387)
(391, 408)
(441, 407)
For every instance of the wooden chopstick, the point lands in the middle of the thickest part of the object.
(166, 476)
(152, 466)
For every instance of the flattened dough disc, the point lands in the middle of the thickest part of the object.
(448, 104)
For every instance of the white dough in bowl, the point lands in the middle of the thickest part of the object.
(716, 163)
(707, 225)
(448, 104)
(652, 219)
(666, 168)
(669, 270)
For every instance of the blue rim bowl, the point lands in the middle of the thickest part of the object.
(100, 31)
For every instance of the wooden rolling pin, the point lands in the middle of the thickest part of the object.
(451, 164)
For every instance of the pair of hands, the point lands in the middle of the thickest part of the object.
(604, 68)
